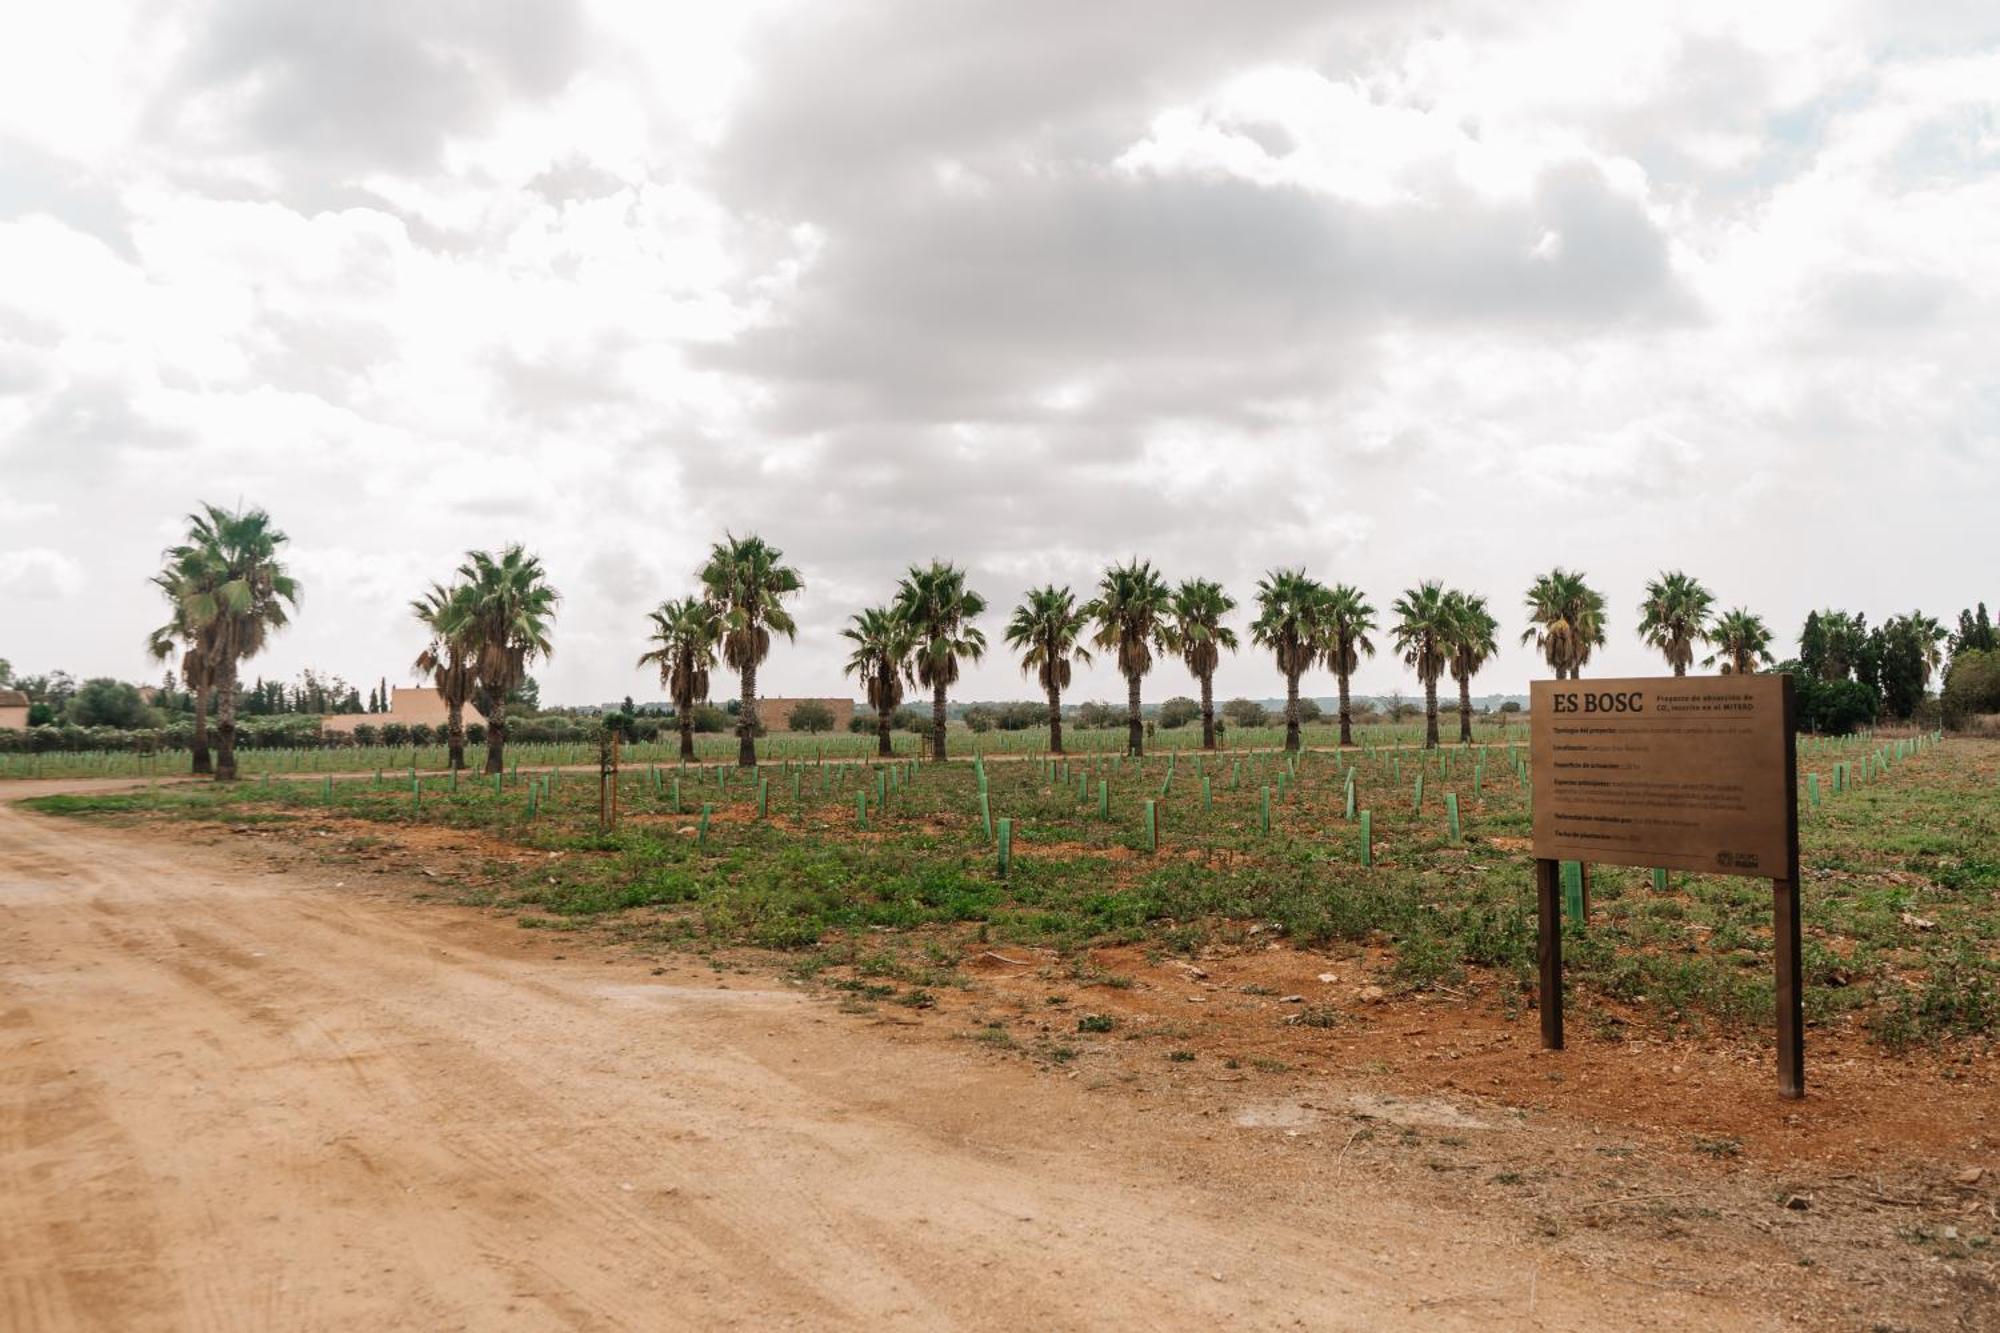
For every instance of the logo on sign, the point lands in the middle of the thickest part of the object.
(1737, 860)
(1602, 701)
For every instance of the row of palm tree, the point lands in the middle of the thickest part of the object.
(1677, 613)
(745, 584)
(923, 634)
(486, 628)
(228, 592)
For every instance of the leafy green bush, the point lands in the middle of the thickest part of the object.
(104, 702)
(811, 716)
(1245, 713)
(1971, 686)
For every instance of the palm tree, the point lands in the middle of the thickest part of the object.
(509, 607)
(883, 642)
(1674, 617)
(196, 648)
(234, 593)
(1931, 637)
(1566, 618)
(1291, 622)
(1471, 646)
(684, 636)
(1423, 635)
(934, 601)
(1131, 610)
(1741, 642)
(1047, 630)
(1349, 619)
(447, 658)
(747, 585)
(1200, 637)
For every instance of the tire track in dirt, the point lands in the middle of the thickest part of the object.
(304, 1106)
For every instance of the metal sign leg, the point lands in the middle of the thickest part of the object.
(1548, 951)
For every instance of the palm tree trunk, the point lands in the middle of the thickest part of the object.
(1292, 710)
(1430, 712)
(746, 719)
(687, 731)
(1055, 719)
(1208, 710)
(1346, 714)
(1135, 729)
(225, 722)
(455, 732)
(1465, 709)
(202, 763)
(937, 720)
(496, 733)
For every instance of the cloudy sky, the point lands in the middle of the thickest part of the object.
(1395, 290)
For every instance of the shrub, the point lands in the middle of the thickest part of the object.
(1096, 714)
(1022, 715)
(1834, 707)
(1245, 713)
(1971, 687)
(1178, 711)
(104, 702)
(811, 716)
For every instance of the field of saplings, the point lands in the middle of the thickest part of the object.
(710, 747)
(905, 868)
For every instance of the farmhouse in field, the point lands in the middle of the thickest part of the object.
(409, 706)
(13, 710)
(776, 714)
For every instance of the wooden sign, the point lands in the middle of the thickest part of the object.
(1674, 772)
(1688, 773)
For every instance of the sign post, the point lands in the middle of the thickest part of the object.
(1692, 773)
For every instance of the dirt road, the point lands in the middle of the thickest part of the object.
(236, 1098)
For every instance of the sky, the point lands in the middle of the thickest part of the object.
(1395, 291)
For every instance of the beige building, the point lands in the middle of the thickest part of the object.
(776, 714)
(409, 706)
(13, 710)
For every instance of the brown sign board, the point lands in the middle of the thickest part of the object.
(1680, 772)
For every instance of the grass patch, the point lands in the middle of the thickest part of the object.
(1902, 928)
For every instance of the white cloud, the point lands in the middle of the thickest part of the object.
(1452, 293)
(38, 574)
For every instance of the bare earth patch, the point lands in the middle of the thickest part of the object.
(246, 1067)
